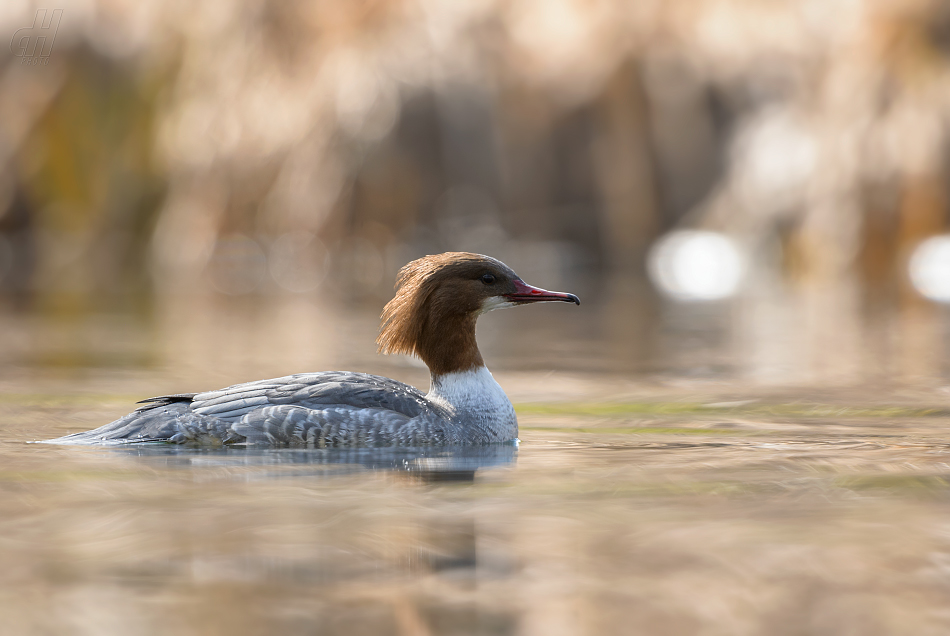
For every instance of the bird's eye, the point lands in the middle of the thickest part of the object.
(488, 279)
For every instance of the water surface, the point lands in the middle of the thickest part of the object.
(704, 512)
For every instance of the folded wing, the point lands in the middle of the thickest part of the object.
(323, 409)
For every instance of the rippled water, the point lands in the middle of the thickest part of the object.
(699, 510)
(660, 487)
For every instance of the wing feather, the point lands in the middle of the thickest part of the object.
(223, 407)
(335, 408)
(314, 391)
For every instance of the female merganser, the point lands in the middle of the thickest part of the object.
(438, 299)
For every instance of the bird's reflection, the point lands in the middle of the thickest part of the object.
(429, 465)
(384, 553)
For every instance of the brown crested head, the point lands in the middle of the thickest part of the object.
(438, 299)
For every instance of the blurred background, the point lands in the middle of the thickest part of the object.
(737, 189)
(742, 429)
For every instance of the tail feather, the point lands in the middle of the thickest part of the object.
(155, 422)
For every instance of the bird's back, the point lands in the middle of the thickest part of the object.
(334, 408)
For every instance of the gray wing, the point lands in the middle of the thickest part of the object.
(334, 408)
(313, 391)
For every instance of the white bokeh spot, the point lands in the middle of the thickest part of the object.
(696, 265)
(930, 268)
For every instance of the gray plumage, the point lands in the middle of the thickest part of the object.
(334, 408)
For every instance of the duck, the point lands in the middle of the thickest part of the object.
(437, 301)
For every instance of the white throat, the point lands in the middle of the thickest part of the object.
(475, 398)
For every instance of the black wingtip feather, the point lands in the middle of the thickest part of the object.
(164, 400)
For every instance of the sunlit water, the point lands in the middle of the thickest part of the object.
(635, 504)
(671, 517)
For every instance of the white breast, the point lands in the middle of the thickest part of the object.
(476, 399)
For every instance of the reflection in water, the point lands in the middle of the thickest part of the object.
(749, 516)
(258, 541)
(427, 464)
